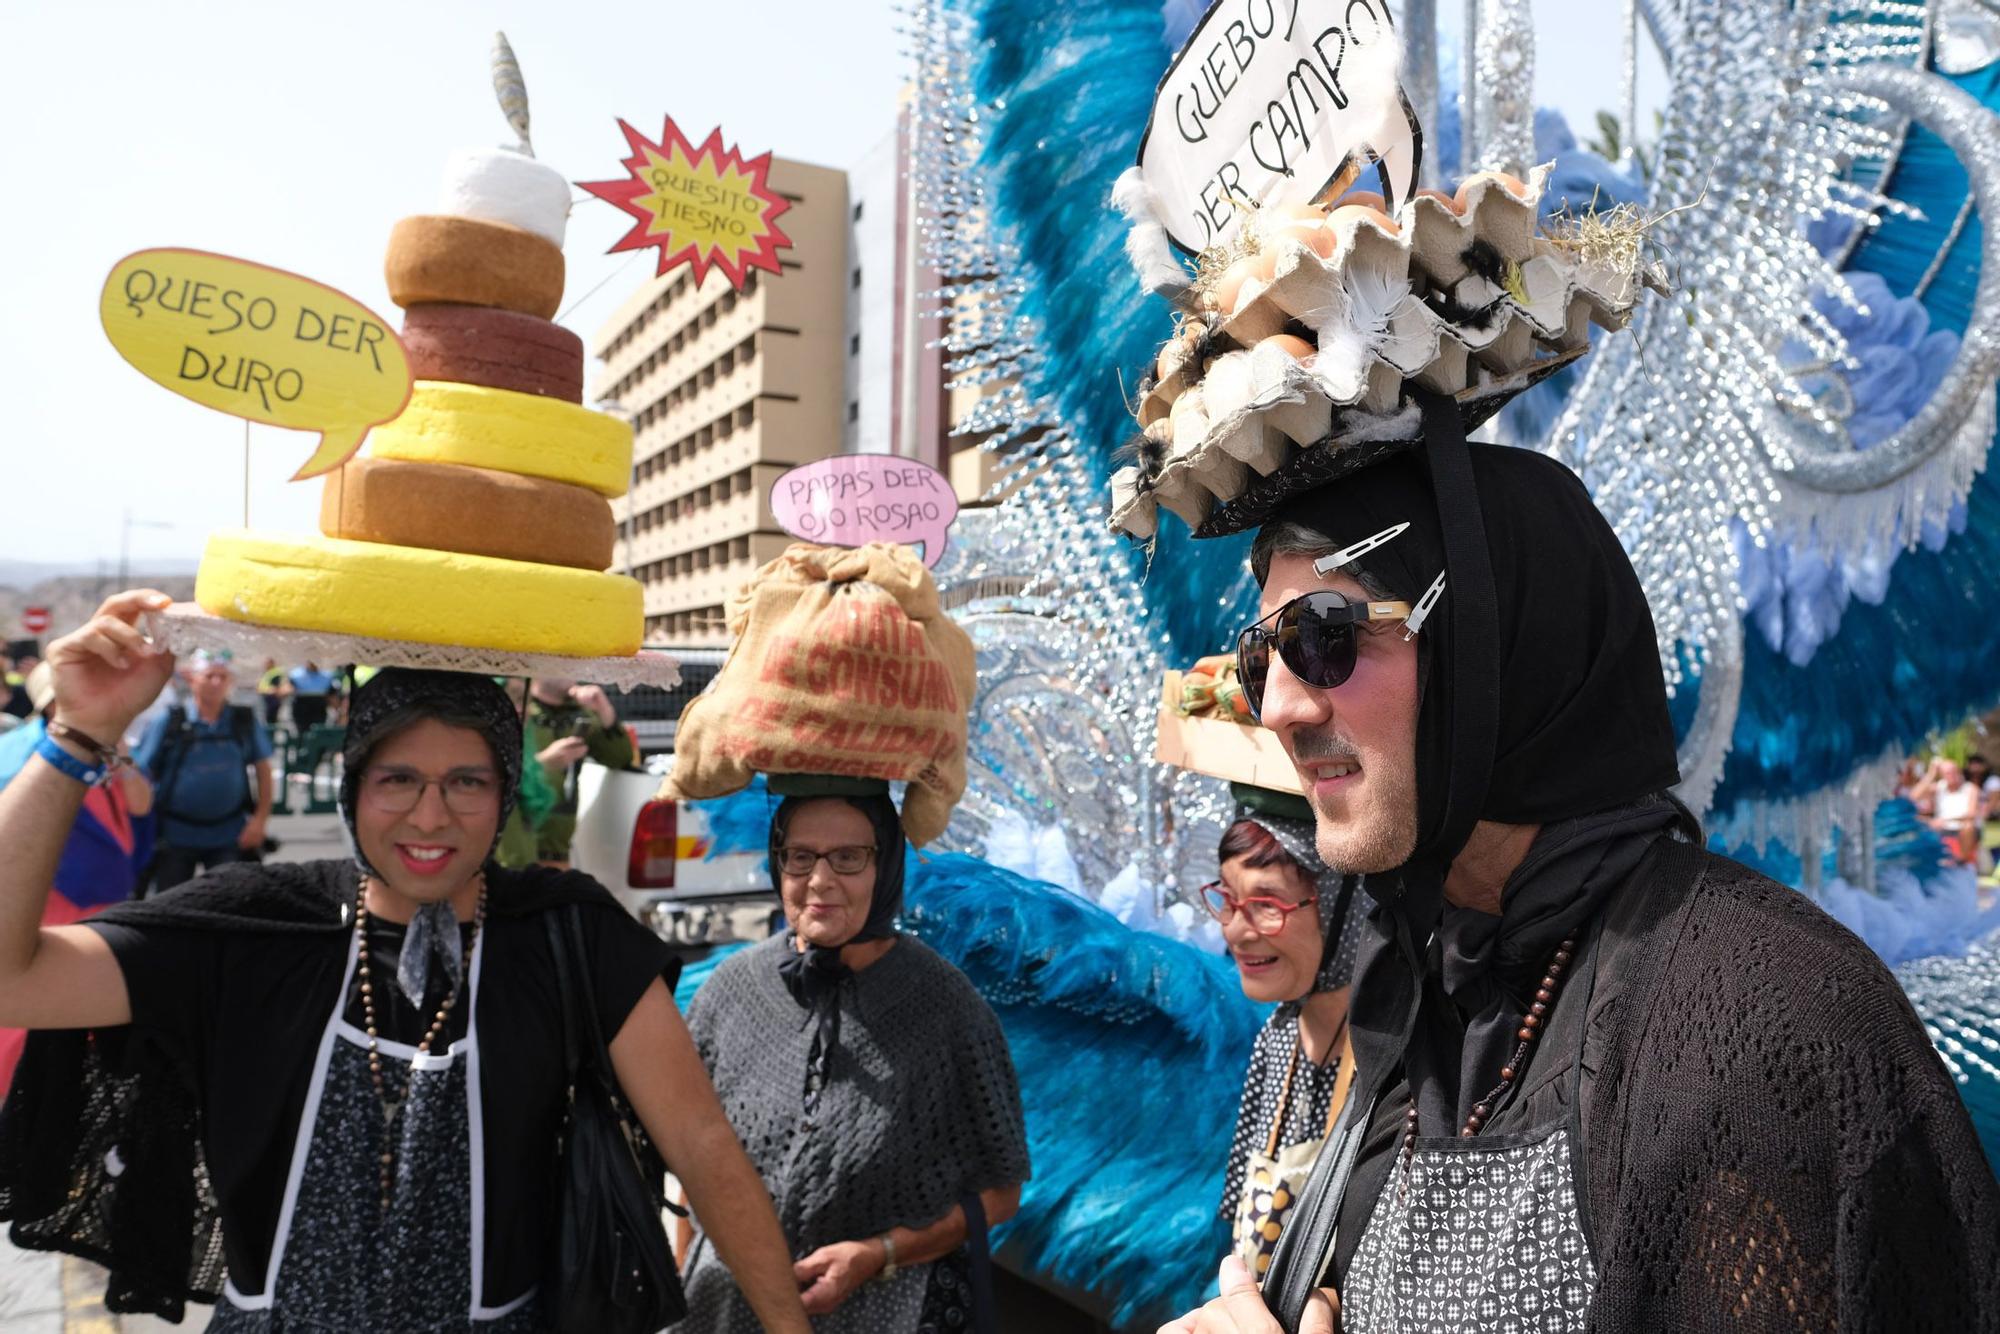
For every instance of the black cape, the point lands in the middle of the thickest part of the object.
(100, 1149)
(1770, 1142)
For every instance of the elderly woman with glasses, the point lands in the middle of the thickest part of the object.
(869, 1081)
(1284, 916)
(330, 1095)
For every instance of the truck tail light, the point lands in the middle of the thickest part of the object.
(655, 840)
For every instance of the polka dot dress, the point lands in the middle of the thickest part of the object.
(1263, 1090)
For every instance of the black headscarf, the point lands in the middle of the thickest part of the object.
(393, 699)
(1543, 703)
(814, 975)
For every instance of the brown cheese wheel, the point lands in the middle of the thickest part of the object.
(500, 349)
(473, 263)
(473, 511)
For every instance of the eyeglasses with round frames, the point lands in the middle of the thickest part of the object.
(1267, 916)
(396, 791)
(852, 860)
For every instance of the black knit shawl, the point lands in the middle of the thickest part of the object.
(84, 1098)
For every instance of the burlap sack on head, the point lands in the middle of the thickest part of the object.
(843, 664)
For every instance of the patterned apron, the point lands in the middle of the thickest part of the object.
(1273, 1179)
(1482, 1233)
(338, 1263)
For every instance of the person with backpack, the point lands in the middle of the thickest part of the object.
(202, 756)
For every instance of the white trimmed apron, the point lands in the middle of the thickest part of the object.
(1482, 1233)
(338, 1262)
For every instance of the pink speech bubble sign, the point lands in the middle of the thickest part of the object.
(852, 499)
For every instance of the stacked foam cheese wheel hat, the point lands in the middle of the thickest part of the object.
(481, 516)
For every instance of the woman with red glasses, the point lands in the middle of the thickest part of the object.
(1283, 916)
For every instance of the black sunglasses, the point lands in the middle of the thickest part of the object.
(1314, 636)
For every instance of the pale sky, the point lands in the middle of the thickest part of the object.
(296, 135)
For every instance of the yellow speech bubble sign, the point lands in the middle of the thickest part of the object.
(258, 342)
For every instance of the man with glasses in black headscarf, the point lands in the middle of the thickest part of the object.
(1607, 1080)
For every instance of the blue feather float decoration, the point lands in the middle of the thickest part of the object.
(1131, 1050)
(1925, 657)
(741, 821)
(1077, 82)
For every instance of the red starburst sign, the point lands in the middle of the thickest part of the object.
(701, 206)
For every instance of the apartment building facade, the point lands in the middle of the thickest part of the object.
(725, 390)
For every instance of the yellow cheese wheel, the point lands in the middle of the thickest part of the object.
(428, 597)
(525, 434)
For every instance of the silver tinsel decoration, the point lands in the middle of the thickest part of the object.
(1064, 725)
(1778, 116)
(1968, 35)
(1959, 1002)
(1504, 110)
(1695, 420)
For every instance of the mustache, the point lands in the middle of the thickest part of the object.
(1320, 747)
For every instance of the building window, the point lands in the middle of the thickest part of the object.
(854, 412)
(855, 278)
(854, 345)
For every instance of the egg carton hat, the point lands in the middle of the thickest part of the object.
(1312, 318)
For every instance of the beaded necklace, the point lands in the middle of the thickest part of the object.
(1531, 1028)
(392, 1107)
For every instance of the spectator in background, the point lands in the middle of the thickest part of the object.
(272, 687)
(1957, 808)
(13, 687)
(311, 689)
(211, 770)
(566, 723)
(1908, 778)
(108, 846)
(1979, 772)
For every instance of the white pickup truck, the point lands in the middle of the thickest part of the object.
(655, 856)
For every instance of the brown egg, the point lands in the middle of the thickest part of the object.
(1513, 185)
(1262, 266)
(1281, 215)
(1364, 199)
(1317, 239)
(1373, 214)
(1442, 198)
(1222, 294)
(1291, 345)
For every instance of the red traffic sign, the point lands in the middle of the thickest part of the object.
(35, 620)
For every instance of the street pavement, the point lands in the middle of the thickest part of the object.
(42, 1293)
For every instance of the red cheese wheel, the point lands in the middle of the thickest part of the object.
(500, 349)
(439, 258)
(474, 511)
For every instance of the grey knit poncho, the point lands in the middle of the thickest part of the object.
(921, 1108)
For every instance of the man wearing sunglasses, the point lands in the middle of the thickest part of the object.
(1607, 1080)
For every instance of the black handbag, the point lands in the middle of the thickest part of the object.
(613, 1272)
(960, 1295)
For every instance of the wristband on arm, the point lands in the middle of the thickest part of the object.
(90, 775)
